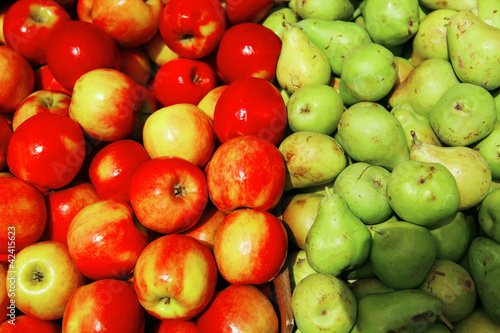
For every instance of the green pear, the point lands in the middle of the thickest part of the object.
(489, 12)
(323, 303)
(454, 286)
(368, 73)
(489, 215)
(437, 327)
(371, 134)
(470, 169)
(454, 238)
(300, 61)
(430, 41)
(311, 159)
(298, 212)
(315, 108)
(484, 257)
(477, 321)
(402, 253)
(367, 286)
(496, 95)
(337, 240)
(425, 85)
(363, 187)
(457, 5)
(298, 267)
(465, 114)
(409, 310)
(277, 18)
(489, 148)
(473, 47)
(411, 121)
(423, 193)
(391, 23)
(363, 271)
(341, 10)
(334, 38)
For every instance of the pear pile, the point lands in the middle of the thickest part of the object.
(392, 200)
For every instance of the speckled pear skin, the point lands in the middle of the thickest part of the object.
(473, 47)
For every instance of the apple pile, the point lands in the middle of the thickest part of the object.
(163, 161)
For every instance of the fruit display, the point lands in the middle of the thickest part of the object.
(253, 166)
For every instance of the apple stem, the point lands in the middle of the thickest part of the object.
(179, 190)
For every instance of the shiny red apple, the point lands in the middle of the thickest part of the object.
(241, 11)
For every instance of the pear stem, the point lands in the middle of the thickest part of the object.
(445, 321)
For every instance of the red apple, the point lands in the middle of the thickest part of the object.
(5, 135)
(107, 305)
(181, 130)
(44, 80)
(248, 49)
(113, 166)
(17, 79)
(241, 11)
(62, 207)
(136, 64)
(104, 241)
(105, 103)
(167, 326)
(45, 277)
(250, 247)
(158, 51)
(75, 47)
(149, 105)
(239, 308)
(250, 106)
(175, 277)
(183, 81)
(27, 25)
(40, 101)
(4, 6)
(22, 214)
(206, 228)
(192, 29)
(24, 323)
(168, 194)
(246, 171)
(129, 22)
(5, 305)
(84, 10)
(47, 150)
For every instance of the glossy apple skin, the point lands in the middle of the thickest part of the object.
(21, 206)
(250, 106)
(82, 47)
(62, 207)
(107, 305)
(104, 241)
(44, 80)
(166, 326)
(5, 135)
(168, 194)
(17, 79)
(250, 247)
(192, 29)
(51, 101)
(47, 150)
(135, 63)
(183, 81)
(248, 49)
(24, 323)
(105, 103)
(45, 278)
(206, 228)
(246, 172)
(129, 22)
(181, 130)
(240, 308)
(175, 277)
(113, 166)
(241, 11)
(27, 25)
